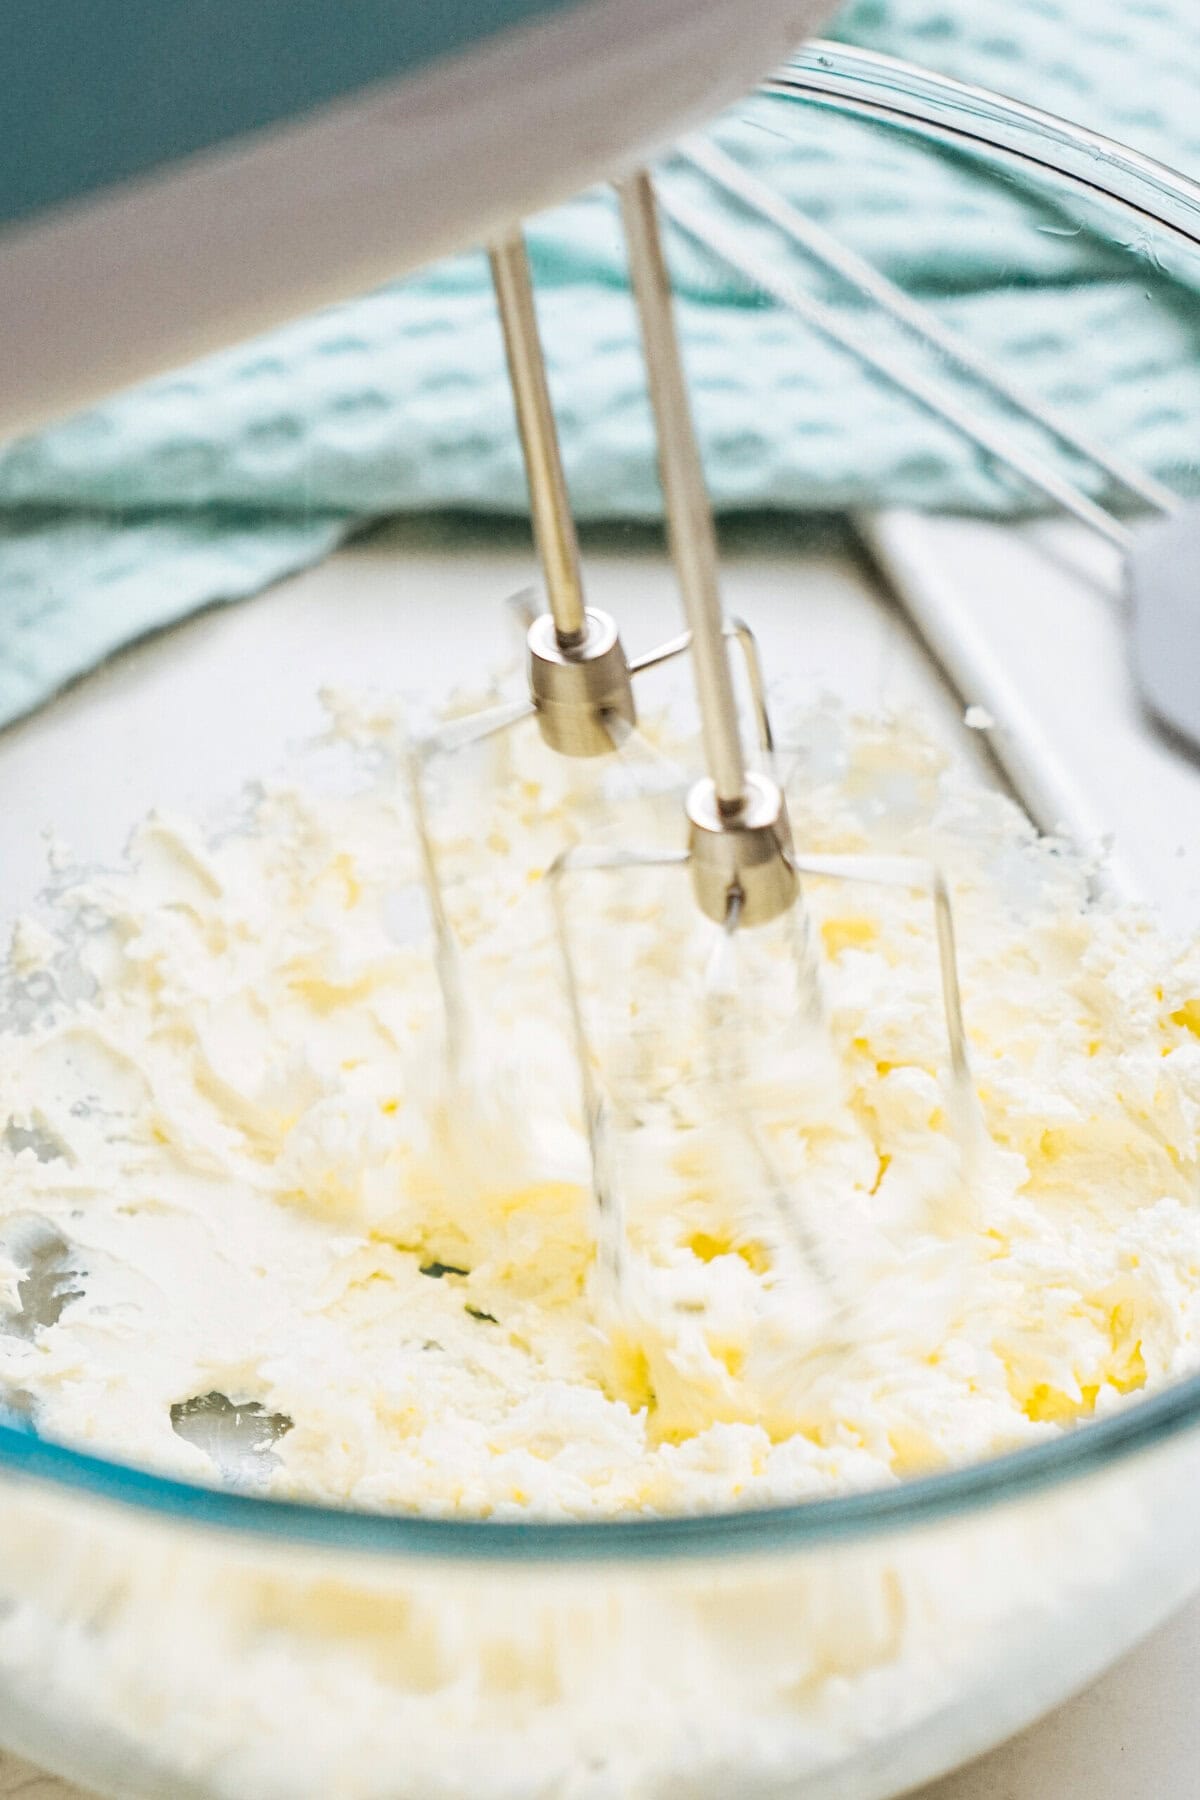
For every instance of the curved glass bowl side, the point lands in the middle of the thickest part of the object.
(152, 1661)
(1089, 1448)
(954, 113)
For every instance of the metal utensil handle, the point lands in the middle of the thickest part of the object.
(937, 399)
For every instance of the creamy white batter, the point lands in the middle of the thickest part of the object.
(236, 1162)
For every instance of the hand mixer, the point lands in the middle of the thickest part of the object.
(740, 855)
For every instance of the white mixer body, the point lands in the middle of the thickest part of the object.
(139, 277)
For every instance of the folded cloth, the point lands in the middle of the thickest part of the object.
(210, 483)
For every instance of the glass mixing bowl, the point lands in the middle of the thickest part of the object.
(161, 1639)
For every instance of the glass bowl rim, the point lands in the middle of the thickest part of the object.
(867, 84)
(1088, 1449)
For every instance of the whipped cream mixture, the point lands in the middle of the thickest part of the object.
(244, 1178)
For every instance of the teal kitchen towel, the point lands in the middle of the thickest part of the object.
(212, 482)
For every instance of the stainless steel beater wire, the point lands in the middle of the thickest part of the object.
(740, 633)
(690, 526)
(824, 248)
(912, 872)
(759, 274)
(611, 1249)
(553, 523)
(459, 734)
(447, 966)
(726, 1059)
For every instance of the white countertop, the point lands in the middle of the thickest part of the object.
(1048, 633)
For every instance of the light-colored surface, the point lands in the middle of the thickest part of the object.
(1135, 1733)
(185, 718)
(1032, 623)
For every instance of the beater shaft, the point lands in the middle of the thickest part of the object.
(737, 824)
(689, 515)
(553, 523)
(578, 673)
(747, 643)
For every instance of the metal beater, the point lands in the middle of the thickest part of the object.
(744, 867)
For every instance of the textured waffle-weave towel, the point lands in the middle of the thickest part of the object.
(217, 480)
